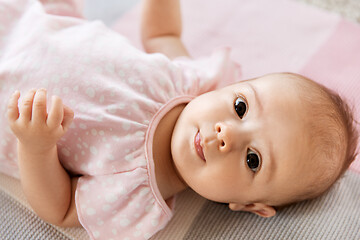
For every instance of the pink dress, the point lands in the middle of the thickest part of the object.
(118, 93)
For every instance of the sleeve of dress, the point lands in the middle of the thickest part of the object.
(208, 73)
(119, 205)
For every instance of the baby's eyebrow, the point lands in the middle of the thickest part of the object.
(258, 101)
(271, 166)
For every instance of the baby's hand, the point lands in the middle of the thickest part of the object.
(37, 130)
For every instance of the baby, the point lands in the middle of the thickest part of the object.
(141, 128)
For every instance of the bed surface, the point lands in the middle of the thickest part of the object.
(332, 216)
(335, 215)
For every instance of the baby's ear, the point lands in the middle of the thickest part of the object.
(260, 209)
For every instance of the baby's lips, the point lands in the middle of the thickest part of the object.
(198, 147)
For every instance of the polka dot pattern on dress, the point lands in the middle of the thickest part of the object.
(116, 91)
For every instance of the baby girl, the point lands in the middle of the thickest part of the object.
(125, 131)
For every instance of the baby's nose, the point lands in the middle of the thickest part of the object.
(223, 134)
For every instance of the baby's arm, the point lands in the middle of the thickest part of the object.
(47, 186)
(161, 28)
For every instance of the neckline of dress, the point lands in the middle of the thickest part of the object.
(149, 152)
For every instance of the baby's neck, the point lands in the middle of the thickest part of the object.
(168, 181)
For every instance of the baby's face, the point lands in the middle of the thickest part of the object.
(244, 143)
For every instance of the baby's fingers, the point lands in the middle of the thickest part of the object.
(13, 109)
(26, 106)
(56, 113)
(68, 117)
(39, 107)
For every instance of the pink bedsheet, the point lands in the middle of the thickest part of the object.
(272, 36)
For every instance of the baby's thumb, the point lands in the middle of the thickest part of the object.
(68, 117)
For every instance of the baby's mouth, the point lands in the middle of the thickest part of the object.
(198, 147)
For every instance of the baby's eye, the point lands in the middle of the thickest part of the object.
(253, 160)
(240, 106)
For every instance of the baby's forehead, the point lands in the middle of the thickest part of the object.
(279, 89)
(289, 86)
